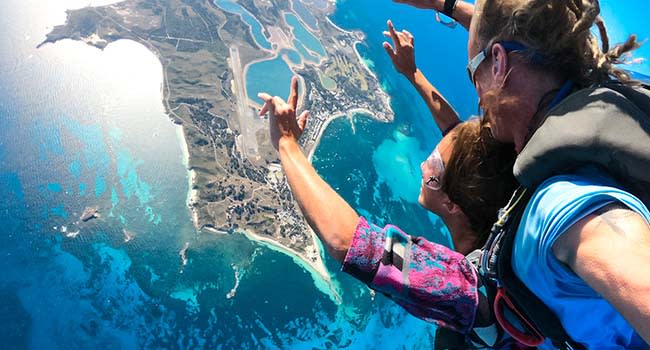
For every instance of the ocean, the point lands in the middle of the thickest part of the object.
(86, 128)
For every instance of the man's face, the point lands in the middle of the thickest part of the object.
(487, 88)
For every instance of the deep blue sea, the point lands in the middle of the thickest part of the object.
(82, 127)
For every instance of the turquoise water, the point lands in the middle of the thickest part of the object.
(306, 55)
(304, 14)
(303, 35)
(83, 127)
(256, 28)
(271, 76)
(375, 166)
(293, 56)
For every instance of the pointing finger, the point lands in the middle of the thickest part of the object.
(393, 34)
(293, 95)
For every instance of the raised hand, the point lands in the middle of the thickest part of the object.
(283, 123)
(403, 52)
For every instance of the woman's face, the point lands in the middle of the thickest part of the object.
(431, 195)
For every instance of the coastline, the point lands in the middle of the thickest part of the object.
(317, 268)
(319, 273)
(347, 114)
(385, 94)
(192, 194)
(301, 91)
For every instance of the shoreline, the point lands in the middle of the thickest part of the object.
(347, 114)
(250, 28)
(319, 273)
(385, 94)
(192, 194)
(301, 92)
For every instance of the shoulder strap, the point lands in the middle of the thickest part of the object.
(496, 267)
(587, 127)
(535, 311)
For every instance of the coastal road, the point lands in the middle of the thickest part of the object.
(249, 123)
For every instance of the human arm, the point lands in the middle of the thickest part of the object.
(610, 251)
(462, 13)
(402, 53)
(328, 214)
(429, 280)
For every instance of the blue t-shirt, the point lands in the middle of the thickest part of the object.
(557, 204)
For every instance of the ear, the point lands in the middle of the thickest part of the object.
(451, 207)
(499, 62)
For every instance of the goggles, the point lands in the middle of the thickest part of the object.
(433, 164)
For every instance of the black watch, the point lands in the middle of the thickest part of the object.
(450, 6)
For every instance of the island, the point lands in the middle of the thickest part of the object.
(207, 48)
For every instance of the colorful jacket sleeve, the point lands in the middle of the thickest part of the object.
(431, 281)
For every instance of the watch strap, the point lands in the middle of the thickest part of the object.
(450, 6)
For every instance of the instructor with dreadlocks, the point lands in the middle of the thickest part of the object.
(572, 250)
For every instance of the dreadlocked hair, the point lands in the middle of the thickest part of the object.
(560, 31)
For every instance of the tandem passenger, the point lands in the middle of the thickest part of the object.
(465, 181)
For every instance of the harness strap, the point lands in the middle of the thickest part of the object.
(511, 291)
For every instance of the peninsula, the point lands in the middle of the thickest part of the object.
(206, 48)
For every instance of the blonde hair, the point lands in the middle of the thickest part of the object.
(560, 31)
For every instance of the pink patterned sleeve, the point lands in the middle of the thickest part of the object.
(430, 281)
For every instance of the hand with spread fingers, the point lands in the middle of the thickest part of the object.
(283, 123)
(402, 52)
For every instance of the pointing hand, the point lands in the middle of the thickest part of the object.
(403, 52)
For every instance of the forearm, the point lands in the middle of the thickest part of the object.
(329, 215)
(463, 13)
(441, 110)
(416, 274)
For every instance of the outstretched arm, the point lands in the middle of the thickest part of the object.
(387, 259)
(462, 13)
(610, 251)
(403, 57)
(333, 220)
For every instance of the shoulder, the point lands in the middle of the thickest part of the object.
(557, 206)
(603, 228)
(562, 200)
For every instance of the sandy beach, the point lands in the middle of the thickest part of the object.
(317, 270)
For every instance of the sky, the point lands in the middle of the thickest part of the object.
(625, 17)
